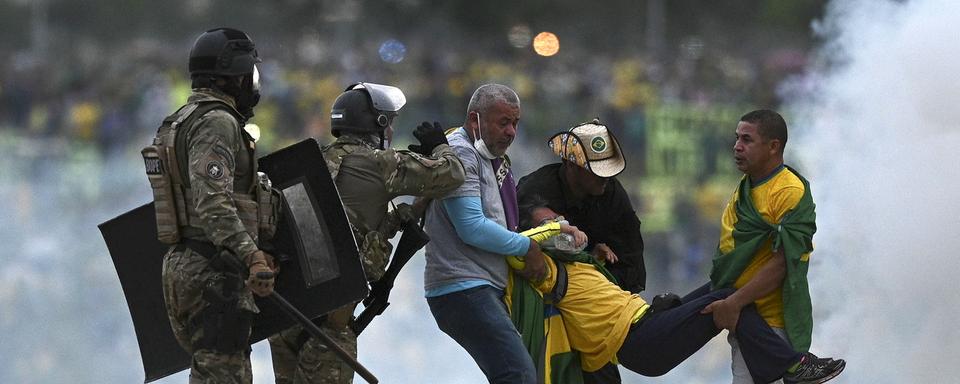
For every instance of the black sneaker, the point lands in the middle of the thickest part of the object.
(815, 370)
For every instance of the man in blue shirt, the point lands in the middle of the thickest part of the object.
(472, 230)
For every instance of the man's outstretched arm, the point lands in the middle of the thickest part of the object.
(726, 312)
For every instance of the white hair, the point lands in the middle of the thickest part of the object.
(488, 95)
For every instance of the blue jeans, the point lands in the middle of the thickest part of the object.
(477, 319)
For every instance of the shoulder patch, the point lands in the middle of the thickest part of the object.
(215, 169)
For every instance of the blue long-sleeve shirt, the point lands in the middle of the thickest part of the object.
(475, 229)
(466, 215)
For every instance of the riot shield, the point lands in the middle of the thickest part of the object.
(138, 257)
(320, 268)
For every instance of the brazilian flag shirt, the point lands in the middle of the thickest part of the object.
(780, 212)
(586, 328)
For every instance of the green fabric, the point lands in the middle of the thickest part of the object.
(527, 312)
(565, 368)
(582, 257)
(795, 235)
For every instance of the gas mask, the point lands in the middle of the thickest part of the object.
(248, 95)
(479, 145)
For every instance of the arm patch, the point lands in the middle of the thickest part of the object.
(215, 169)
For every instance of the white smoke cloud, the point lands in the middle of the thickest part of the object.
(876, 128)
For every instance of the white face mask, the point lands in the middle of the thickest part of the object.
(480, 146)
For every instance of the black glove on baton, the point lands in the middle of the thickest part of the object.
(430, 137)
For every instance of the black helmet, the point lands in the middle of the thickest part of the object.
(223, 52)
(366, 108)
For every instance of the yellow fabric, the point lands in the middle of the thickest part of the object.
(557, 340)
(541, 233)
(597, 314)
(640, 313)
(538, 234)
(772, 198)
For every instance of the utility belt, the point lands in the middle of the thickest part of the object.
(224, 326)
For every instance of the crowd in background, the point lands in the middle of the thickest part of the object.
(84, 85)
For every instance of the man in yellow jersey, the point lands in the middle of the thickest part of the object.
(604, 323)
(765, 241)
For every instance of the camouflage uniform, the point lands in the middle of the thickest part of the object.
(367, 179)
(208, 306)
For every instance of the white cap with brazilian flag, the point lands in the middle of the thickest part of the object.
(591, 146)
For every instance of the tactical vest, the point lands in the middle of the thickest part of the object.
(166, 168)
(375, 247)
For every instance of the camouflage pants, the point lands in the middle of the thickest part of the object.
(301, 360)
(186, 277)
(375, 252)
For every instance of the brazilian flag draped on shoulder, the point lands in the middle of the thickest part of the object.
(795, 234)
(541, 326)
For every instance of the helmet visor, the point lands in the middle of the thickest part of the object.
(385, 98)
(256, 80)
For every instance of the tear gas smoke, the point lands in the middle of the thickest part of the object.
(876, 128)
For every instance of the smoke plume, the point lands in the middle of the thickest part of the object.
(876, 128)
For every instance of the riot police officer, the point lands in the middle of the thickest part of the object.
(369, 175)
(214, 209)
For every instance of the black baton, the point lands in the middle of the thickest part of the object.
(315, 331)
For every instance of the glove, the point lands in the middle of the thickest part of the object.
(665, 301)
(261, 276)
(430, 136)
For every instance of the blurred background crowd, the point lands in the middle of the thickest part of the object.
(84, 84)
(87, 82)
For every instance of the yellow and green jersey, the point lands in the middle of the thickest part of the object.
(772, 198)
(595, 314)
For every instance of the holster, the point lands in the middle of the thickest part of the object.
(225, 327)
